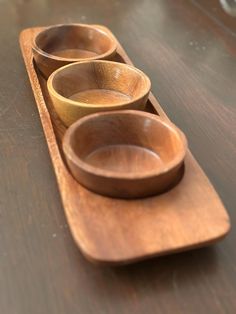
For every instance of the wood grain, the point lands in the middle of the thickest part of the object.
(190, 58)
(174, 221)
(63, 44)
(125, 154)
(103, 86)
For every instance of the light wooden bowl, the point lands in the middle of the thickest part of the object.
(125, 154)
(87, 87)
(59, 45)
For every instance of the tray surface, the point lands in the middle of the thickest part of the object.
(116, 231)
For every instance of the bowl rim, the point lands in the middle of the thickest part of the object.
(96, 171)
(92, 26)
(87, 105)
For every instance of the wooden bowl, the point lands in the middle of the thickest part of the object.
(87, 87)
(59, 45)
(125, 154)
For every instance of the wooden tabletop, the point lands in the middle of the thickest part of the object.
(188, 49)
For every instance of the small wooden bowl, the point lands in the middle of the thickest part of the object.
(87, 87)
(59, 45)
(125, 154)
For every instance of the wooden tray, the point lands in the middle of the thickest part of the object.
(118, 231)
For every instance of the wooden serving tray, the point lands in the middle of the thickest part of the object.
(116, 231)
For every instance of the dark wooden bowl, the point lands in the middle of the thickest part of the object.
(125, 154)
(59, 45)
(88, 87)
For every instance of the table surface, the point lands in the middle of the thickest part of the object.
(188, 49)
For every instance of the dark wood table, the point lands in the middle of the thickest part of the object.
(188, 49)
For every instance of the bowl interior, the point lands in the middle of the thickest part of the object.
(74, 41)
(126, 143)
(100, 82)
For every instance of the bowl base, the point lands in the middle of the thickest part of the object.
(100, 97)
(74, 53)
(125, 159)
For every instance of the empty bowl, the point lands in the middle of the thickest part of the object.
(125, 154)
(59, 45)
(87, 87)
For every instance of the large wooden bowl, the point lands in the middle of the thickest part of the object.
(59, 45)
(87, 87)
(125, 154)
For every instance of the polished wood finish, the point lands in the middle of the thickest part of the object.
(87, 87)
(59, 45)
(125, 154)
(189, 56)
(116, 231)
